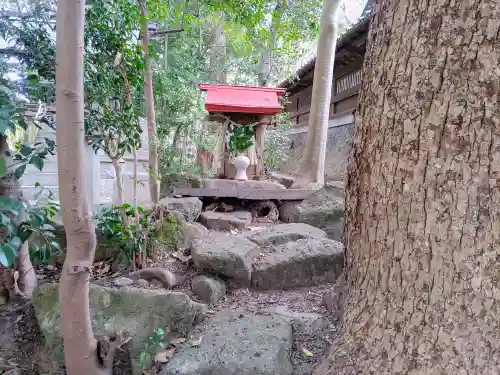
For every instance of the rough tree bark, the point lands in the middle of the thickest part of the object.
(82, 356)
(423, 196)
(20, 281)
(154, 185)
(312, 163)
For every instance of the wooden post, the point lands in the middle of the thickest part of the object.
(260, 135)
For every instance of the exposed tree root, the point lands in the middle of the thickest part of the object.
(167, 278)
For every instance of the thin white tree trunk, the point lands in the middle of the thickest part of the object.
(154, 185)
(136, 210)
(80, 346)
(119, 189)
(26, 277)
(312, 164)
(119, 181)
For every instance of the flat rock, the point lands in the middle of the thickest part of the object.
(122, 281)
(142, 282)
(189, 207)
(302, 323)
(324, 209)
(194, 231)
(224, 255)
(306, 262)
(209, 290)
(283, 233)
(236, 342)
(133, 310)
(226, 220)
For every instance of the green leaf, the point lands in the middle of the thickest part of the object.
(37, 184)
(3, 167)
(7, 255)
(22, 123)
(4, 220)
(55, 245)
(25, 150)
(18, 173)
(16, 242)
(160, 332)
(33, 78)
(49, 227)
(7, 204)
(37, 161)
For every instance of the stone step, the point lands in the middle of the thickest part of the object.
(283, 233)
(226, 220)
(225, 255)
(237, 342)
(305, 262)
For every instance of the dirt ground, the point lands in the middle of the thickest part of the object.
(20, 339)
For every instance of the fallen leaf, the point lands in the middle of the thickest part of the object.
(105, 269)
(307, 353)
(126, 341)
(163, 356)
(195, 342)
(178, 341)
(179, 255)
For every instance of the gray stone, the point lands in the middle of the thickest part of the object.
(225, 255)
(302, 323)
(189, 207)
(173, 232)
(324, 210)
(208, 289)
(135, 311)
(142, 282)
(194, 231)
(120, 263)
(236, 342)
(226, 220)
(306, 262)
(283, 233)
(122, 281)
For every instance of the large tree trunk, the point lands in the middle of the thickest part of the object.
(218, 71)
(22, 284)
(154, 185)
(423, 196)
(266, 58)
(312, 164)
(80, 346)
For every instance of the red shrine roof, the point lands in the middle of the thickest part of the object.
(242, 99)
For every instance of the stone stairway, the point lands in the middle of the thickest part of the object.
(240, 338)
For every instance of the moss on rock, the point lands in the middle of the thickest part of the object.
(134, 311)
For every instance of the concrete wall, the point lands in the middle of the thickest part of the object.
(100, 173)
(340, 135)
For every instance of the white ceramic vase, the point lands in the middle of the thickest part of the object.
(241, 163)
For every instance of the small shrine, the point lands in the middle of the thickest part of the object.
(239, 116)
(242, 106)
